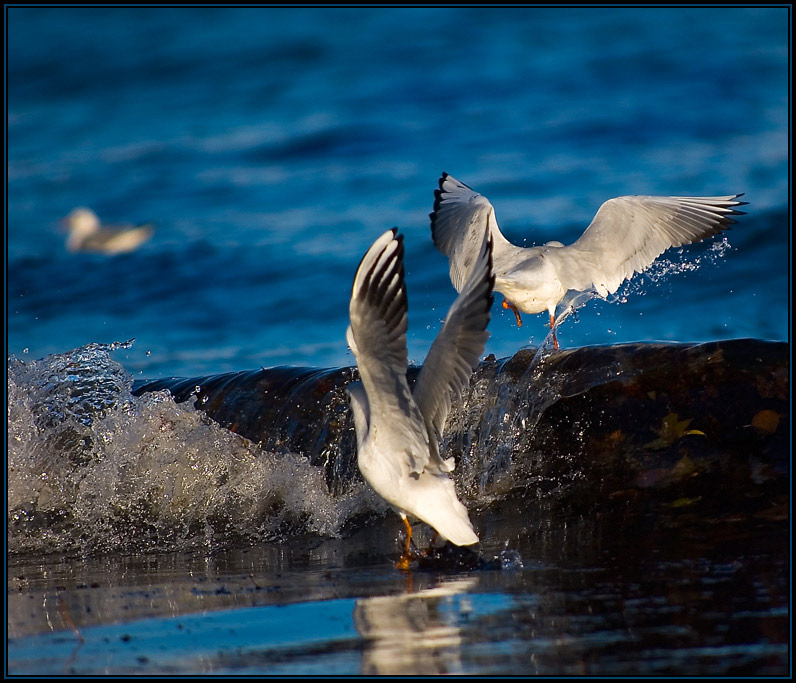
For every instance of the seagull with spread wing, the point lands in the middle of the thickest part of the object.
(398, 430)
(87, 234)
(626, 235)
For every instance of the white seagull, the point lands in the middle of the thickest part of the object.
(86, 234)
(625, 236)
(398, 430)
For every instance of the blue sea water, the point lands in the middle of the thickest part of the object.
(271, 146)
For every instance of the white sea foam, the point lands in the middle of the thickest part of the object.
(92, 468)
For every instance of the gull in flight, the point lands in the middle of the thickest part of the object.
(85, 234)
(398, 430)
(625, 236)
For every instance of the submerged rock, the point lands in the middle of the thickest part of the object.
(689, 425)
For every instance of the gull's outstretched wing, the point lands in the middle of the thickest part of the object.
(628, 233)
(459, 220)
(456, 349)
(377, 336)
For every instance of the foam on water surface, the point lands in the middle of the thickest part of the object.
(93, 468)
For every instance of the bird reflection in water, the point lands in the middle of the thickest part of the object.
(418, 632)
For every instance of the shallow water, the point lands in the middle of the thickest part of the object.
(679, 598)
(270, 147)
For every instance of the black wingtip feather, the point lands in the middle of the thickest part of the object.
(433, 215)
(491, 279)
(735, 211)
(399, 253)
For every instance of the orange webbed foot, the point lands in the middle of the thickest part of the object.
(404, 562)
(406, 559)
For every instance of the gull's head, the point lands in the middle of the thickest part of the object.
(80, 223)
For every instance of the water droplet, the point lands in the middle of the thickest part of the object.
(510, 559)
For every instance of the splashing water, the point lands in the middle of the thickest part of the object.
(510, 560)
(543, 389)
(92, 468)
(679, 261)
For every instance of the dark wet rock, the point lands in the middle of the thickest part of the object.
(284, 409)
(448, 558)
(690, 426)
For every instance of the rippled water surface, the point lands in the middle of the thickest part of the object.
(269, 147)
(554, 600)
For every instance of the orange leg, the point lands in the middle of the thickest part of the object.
(406, 558)
(508, 305)
(552, 325)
